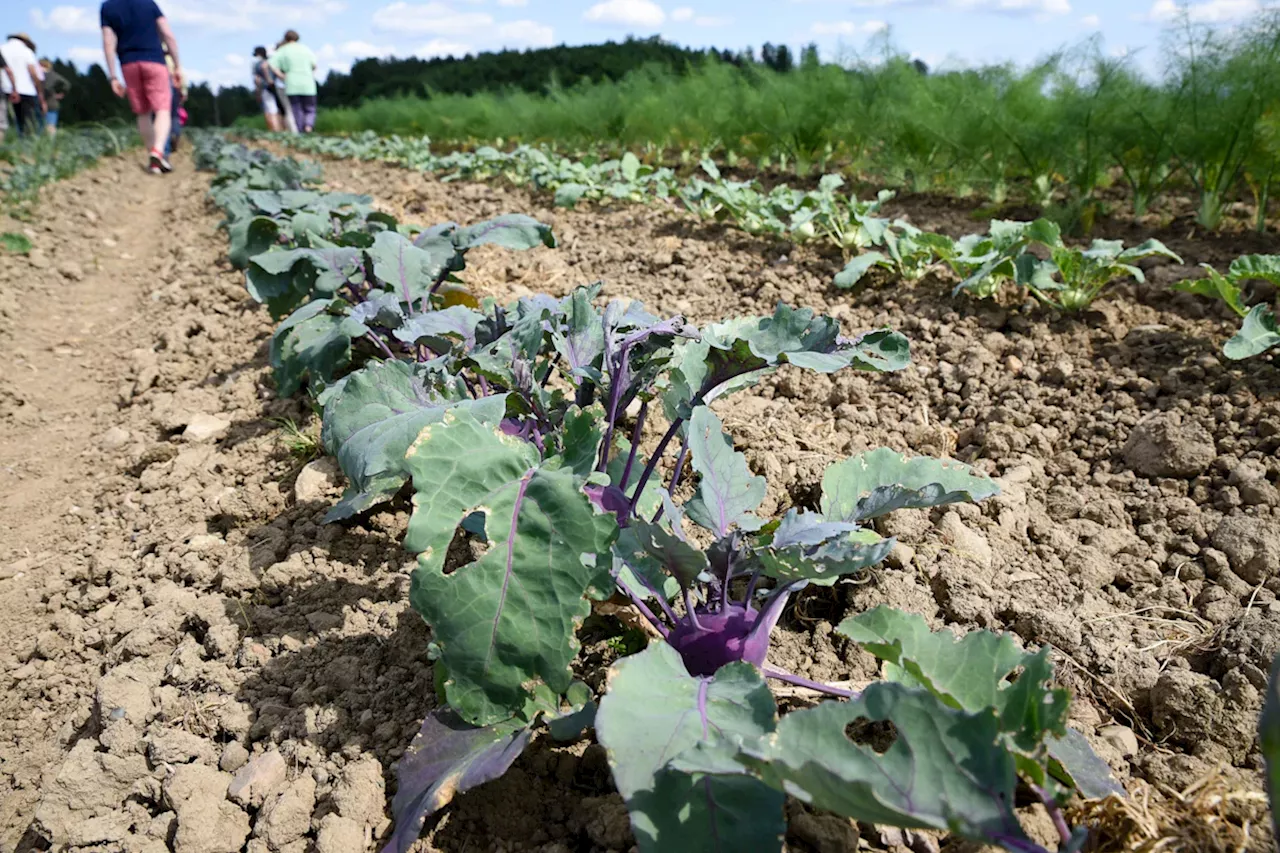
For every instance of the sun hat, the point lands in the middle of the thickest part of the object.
(23, 37)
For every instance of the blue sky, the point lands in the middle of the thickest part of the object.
(217, 36)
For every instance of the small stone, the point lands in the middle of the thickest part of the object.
(257, 779)
(1122, 738)
(1252, 546)
(234, 756)
(967, 543)
(360, 793)
(178, 747)
(901, 555)
(114, 438)
(1166, 445)
(207, 823)
(339, 835)
(288, 817)
(205, 428)
(71, 271)
(1013, 364)
(317, 479)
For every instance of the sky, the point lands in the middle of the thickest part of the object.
(217, 37)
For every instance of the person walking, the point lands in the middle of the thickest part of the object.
(6, 76)
(295, 64)
(55, 89)
(264, 90)
(19, 53)
(179, 86)
(134, 31)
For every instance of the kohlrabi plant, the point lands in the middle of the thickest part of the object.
(1258, 332)
(1084, 273)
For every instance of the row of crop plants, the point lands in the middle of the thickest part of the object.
(29, 164)
(1031, 257)
(1081, 132)
(533, 497)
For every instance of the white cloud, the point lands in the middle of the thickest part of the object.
(86, 56)
(847, 28)
(1039, 8)
(66, 19)
(443, 47)
(1209, 12)
(526, 34)
(513, 4)
(1093, 22)
(364, 50)
(242, 16)
(684, 13)
(435, 19)
(626, 13)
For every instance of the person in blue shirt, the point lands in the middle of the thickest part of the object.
(137, 32)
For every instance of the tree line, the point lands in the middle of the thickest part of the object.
(91, 100)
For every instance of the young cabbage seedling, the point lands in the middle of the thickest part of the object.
(1258, 332)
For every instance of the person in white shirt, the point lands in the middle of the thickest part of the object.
(19, 53)
(5, 100)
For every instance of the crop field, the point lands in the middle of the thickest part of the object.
(360, 495)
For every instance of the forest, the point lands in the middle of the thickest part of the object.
(91, 100)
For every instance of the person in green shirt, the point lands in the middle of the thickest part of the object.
(295, 64)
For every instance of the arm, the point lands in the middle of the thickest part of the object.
(14, 97)
(171, 41)
(37, 76)
(274, 65)
(109, 50)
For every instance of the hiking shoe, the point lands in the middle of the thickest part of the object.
(159, 164)
(154, 169)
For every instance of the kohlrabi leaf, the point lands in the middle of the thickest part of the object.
(283, 280)
(879, 481)
(654, 711)
(505, 620)
(439, 330)
(656, 553)
(727, 490)
(250, 237)
(1076, 764)
(805, 547)
(372, 419)
(980, 671)
(408, 270)
(313, 343)
(737, 354)
(1215, 286)
(1269, 735)
(1260, 267)
(580, 437)
(511, 231)
(1258, 333)
(580, 340)
(568, 195)
(854, 271)
(449, 757)
(946, 769)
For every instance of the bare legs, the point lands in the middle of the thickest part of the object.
(154, 130)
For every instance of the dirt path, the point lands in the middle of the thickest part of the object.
(191, 661)
(102, 239)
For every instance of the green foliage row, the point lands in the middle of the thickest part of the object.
(27, 164)
(1069, 279)
(1055, 135)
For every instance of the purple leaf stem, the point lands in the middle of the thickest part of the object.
(484, 386)
(688, 609)
(652, 464)
(639, 604)
(657, 594)
(376, 341)
(635, 441)
(551, 369)
(675, 475)
(617, 373)
(1059, 821)
(800, 681)
(751, 588)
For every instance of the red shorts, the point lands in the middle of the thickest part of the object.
(150, 90)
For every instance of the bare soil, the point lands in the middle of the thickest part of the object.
(192, 661)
